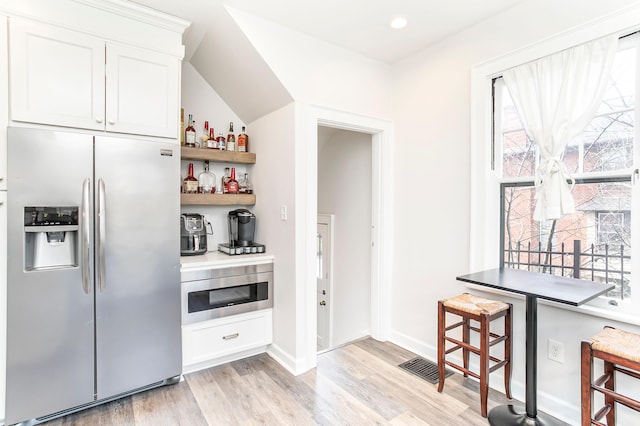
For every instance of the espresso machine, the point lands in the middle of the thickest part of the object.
(241, 229)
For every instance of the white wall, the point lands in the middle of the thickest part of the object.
(273, 141)
(344, 189)
(432, 101)
(317, 72)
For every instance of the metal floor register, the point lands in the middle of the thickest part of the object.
(424, 369)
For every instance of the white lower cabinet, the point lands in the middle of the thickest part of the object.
(217, 341)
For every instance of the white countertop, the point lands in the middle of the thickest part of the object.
(216, 259)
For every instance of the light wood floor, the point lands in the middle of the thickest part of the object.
(357, 384)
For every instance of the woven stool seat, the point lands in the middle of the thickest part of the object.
(617, 342)
(475, 305)
(469, 310)
(619, 351)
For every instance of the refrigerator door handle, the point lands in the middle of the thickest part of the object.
(85, 244)
(101, 236)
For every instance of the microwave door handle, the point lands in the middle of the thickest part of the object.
(101, 236)
(84, 244)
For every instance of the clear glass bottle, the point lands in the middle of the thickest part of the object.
(190, 133)
(225, 180)
(243, 141)
(206, 180)
(231, 138)
(233, 183)
(190, 183)
(245, 185)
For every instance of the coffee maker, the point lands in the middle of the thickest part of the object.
(242, 227)
(193, 234)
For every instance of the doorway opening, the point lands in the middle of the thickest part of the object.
(344, 236)
(380, 133)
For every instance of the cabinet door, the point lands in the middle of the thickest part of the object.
(4, 113)
(56, 76)
(142, 92)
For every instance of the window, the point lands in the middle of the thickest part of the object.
(596, 241)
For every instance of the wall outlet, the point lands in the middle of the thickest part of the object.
(555, 351)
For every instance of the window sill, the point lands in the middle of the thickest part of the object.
(612, 313)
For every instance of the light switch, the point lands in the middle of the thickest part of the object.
(283, 212)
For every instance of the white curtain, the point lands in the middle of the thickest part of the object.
(556, 98)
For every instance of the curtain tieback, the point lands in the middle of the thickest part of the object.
(548, 167)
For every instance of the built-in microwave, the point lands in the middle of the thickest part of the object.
(214, 293)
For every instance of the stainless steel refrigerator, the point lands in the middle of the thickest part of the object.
(93, 270)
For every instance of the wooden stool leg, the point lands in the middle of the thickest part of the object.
(508, 349)
(586, 377)
(484, 364)
(608, 400)
(441, 345)
(466, 332)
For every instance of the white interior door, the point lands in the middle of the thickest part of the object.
(324, 282)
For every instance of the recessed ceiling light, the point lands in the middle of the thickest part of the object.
(398, 23)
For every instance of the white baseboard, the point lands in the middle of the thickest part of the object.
(292, 365)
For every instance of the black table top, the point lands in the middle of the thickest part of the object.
(570, 291)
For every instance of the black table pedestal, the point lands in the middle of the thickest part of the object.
(505, 415)
(517, 416)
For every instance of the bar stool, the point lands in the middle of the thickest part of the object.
(620, 351)
(471, 307)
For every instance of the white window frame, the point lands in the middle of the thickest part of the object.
(485, 181)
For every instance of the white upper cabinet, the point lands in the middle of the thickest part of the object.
(56, 76)
(142, 91)
(66, 78)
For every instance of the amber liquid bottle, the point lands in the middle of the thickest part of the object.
(243, 141)
(190, 183)
(231, 139)
(233, 183)
(190, 134)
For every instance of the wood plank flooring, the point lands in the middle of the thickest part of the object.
(357, 384)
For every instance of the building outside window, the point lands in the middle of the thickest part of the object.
(596, 241)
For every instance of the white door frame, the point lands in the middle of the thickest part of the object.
(381, 132)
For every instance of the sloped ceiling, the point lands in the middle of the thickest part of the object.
(235, 70)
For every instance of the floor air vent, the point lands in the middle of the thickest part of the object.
(424, 369)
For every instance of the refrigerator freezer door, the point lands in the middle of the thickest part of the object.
(50, 322)
(138, 329)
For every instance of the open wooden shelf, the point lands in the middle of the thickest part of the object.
(187, 153)
(217, 199)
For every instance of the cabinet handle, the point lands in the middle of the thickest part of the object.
(112, 122)
(98, 120)
(231, 336)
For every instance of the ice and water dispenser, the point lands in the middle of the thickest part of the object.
(51, 237)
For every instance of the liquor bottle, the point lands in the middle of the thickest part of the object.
(225, 181)
(231, 138)
(233, 183)
(190, 133)
(212, 143)
(206, 180)
(181, 126)
(245, 185)
(205, 135)
(243, 141)
(190, 183)
(222, 142)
